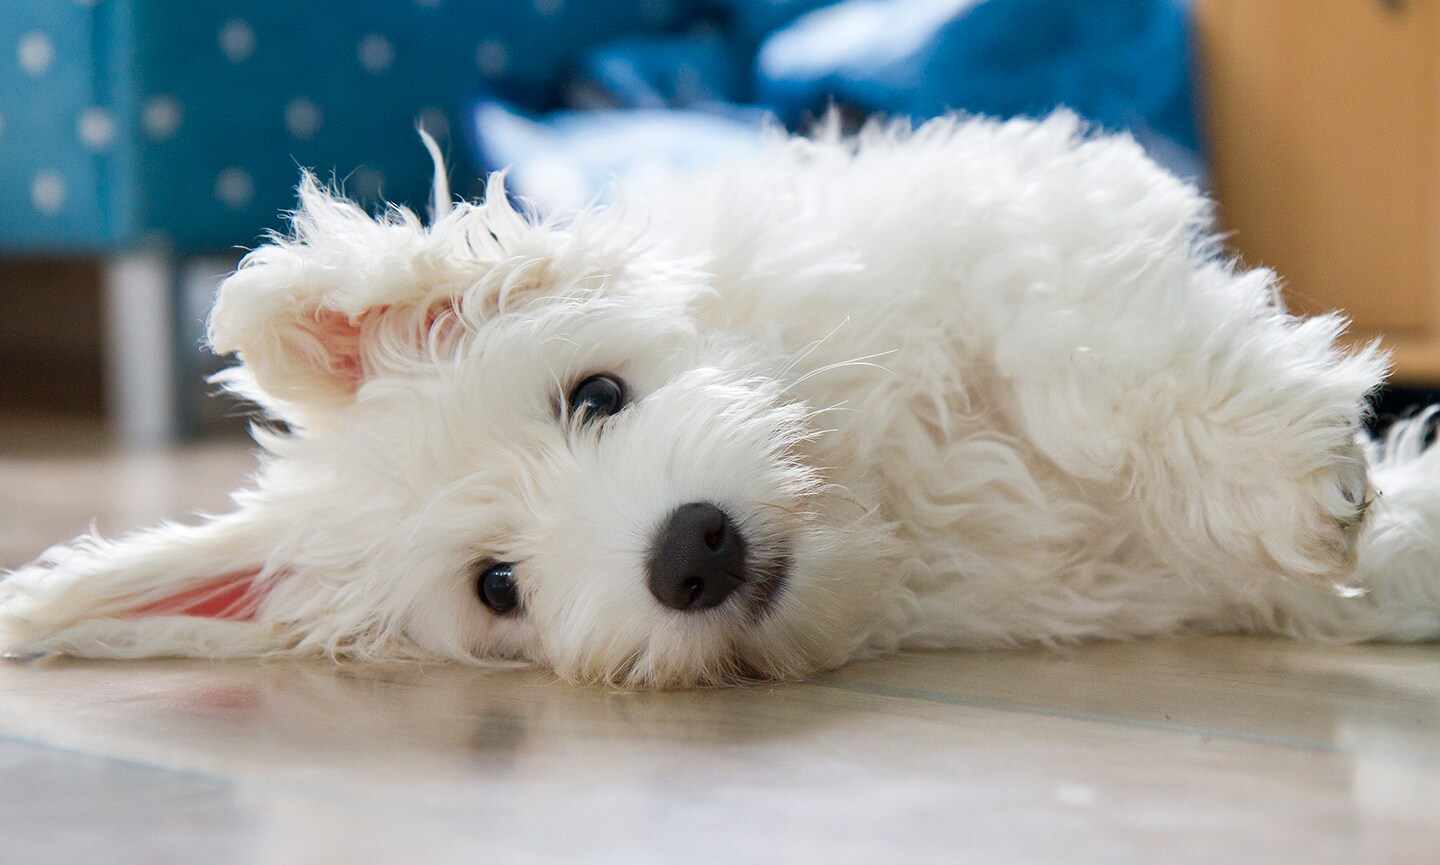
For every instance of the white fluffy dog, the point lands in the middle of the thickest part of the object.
(974, 385)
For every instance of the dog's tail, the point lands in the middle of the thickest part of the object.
(1395, 592)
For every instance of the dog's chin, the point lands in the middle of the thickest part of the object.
(769, 578)
(726, 645)
(785, 621)
(787, 631)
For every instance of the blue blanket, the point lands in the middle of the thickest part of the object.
(693, 97)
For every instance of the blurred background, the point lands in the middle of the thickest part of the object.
(145, 144)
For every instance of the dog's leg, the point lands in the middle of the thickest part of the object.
(182, 590)
(1395, 593)
(1222, 427)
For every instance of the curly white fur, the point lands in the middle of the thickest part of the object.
(984, 384)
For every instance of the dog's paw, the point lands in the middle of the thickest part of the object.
(1314, 535)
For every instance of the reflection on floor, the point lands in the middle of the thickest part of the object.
(1204, 750)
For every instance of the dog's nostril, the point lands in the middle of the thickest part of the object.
(693, 587)
(698, 558)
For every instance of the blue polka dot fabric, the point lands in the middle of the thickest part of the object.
(123, 119)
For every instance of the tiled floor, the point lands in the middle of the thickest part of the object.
(1190, 751)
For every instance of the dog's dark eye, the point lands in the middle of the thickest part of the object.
(497, 589)
(597, 396)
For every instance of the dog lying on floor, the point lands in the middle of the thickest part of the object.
(973, 385)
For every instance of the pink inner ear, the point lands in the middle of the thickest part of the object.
(233, 597)
(340, 337)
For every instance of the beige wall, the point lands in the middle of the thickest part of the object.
(1323, 130)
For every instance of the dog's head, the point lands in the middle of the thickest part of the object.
(504, 438)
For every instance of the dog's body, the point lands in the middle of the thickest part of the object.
(977, 385)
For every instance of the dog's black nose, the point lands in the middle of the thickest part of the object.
(698, 559)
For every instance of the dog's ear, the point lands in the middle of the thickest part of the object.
(190, 591)
(313, 314)
(295, 310)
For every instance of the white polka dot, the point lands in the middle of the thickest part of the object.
(375, 53)
(492, 57)
(237, 40)
(96, 128)
(161, 117)
(303, 118)
(547, 7)
(47, 192)
(36, 52)
(234, 188)
(434, 121)
(365, 183)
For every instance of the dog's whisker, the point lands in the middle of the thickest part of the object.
(862, 362)
(810, 349)
(842, 406)
(776, 506)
